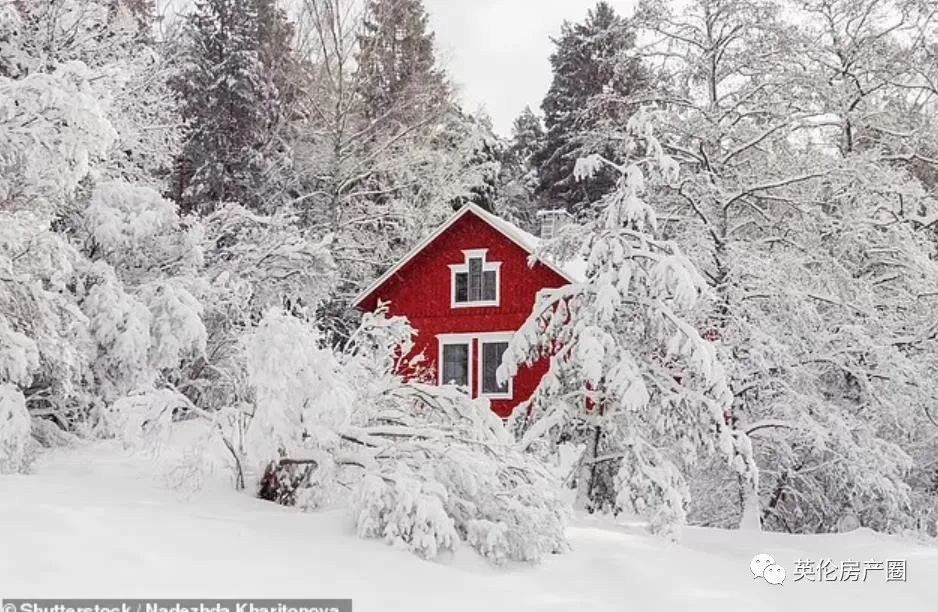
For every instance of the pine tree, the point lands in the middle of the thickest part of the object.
(231, 82)
(527, 137)
(478, 152)
(397, 73)
(517, 180)
(590, 68)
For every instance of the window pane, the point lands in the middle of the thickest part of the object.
(456, 364)
(492, 358)
(475, 279)
(461, 290)
(488, 285)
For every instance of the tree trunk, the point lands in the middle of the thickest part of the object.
(751, 518)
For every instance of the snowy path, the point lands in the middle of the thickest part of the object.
(93, 522)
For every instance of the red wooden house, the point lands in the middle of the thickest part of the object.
(466, 289)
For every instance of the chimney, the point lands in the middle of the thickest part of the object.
(552, 221)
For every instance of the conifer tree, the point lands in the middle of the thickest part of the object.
(527, 136)
(517, 180)
(231, 82)
(591, 69)
(397, 72)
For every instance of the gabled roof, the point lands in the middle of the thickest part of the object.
(523, 239)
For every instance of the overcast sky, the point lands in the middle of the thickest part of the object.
(496, 50)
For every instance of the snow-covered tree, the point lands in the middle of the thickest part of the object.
(41, 34)
(252, 262)
(92, 303)
(397, 76)
(591, 63)
(518, 180)
(377, 183)
(52, 129)
(232, 102)
(627, 367)
(140, 301)
(115, 39)
(792, 233)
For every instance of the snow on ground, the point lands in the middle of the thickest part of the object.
(95, 521)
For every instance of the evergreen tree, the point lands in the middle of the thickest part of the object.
(477, 152)
(527, 137)
(591, 69)
(231, 82)
(397, 73)
(517, 180)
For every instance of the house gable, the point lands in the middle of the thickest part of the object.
(492, 229)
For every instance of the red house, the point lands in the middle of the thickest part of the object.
(466, 288)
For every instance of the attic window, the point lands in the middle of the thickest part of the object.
(476, 281)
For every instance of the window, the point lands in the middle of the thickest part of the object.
(492, 358)
(475, 282)
(455, 368)
(476, 356)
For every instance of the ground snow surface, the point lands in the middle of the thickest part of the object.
(95, 521)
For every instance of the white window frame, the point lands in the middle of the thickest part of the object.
(475, 360)
(492, 338)
(461, 340)
(487, 266)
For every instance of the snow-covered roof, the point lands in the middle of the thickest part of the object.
(573, 271)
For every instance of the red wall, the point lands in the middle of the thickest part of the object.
(420, 290)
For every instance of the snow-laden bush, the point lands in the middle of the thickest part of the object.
(143, 313)
(139, 232)
(52, 126)
(302, 398)
(19, 358)
(14, 430)
(121, 326)
(406, 511)
(449, 466)
(176, 327)
(419, 466)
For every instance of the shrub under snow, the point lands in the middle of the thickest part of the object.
(448, 471)
(14, 430)
(421, 467)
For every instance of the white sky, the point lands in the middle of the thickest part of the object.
(496, 50)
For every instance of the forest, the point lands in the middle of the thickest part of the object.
(189, 204)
